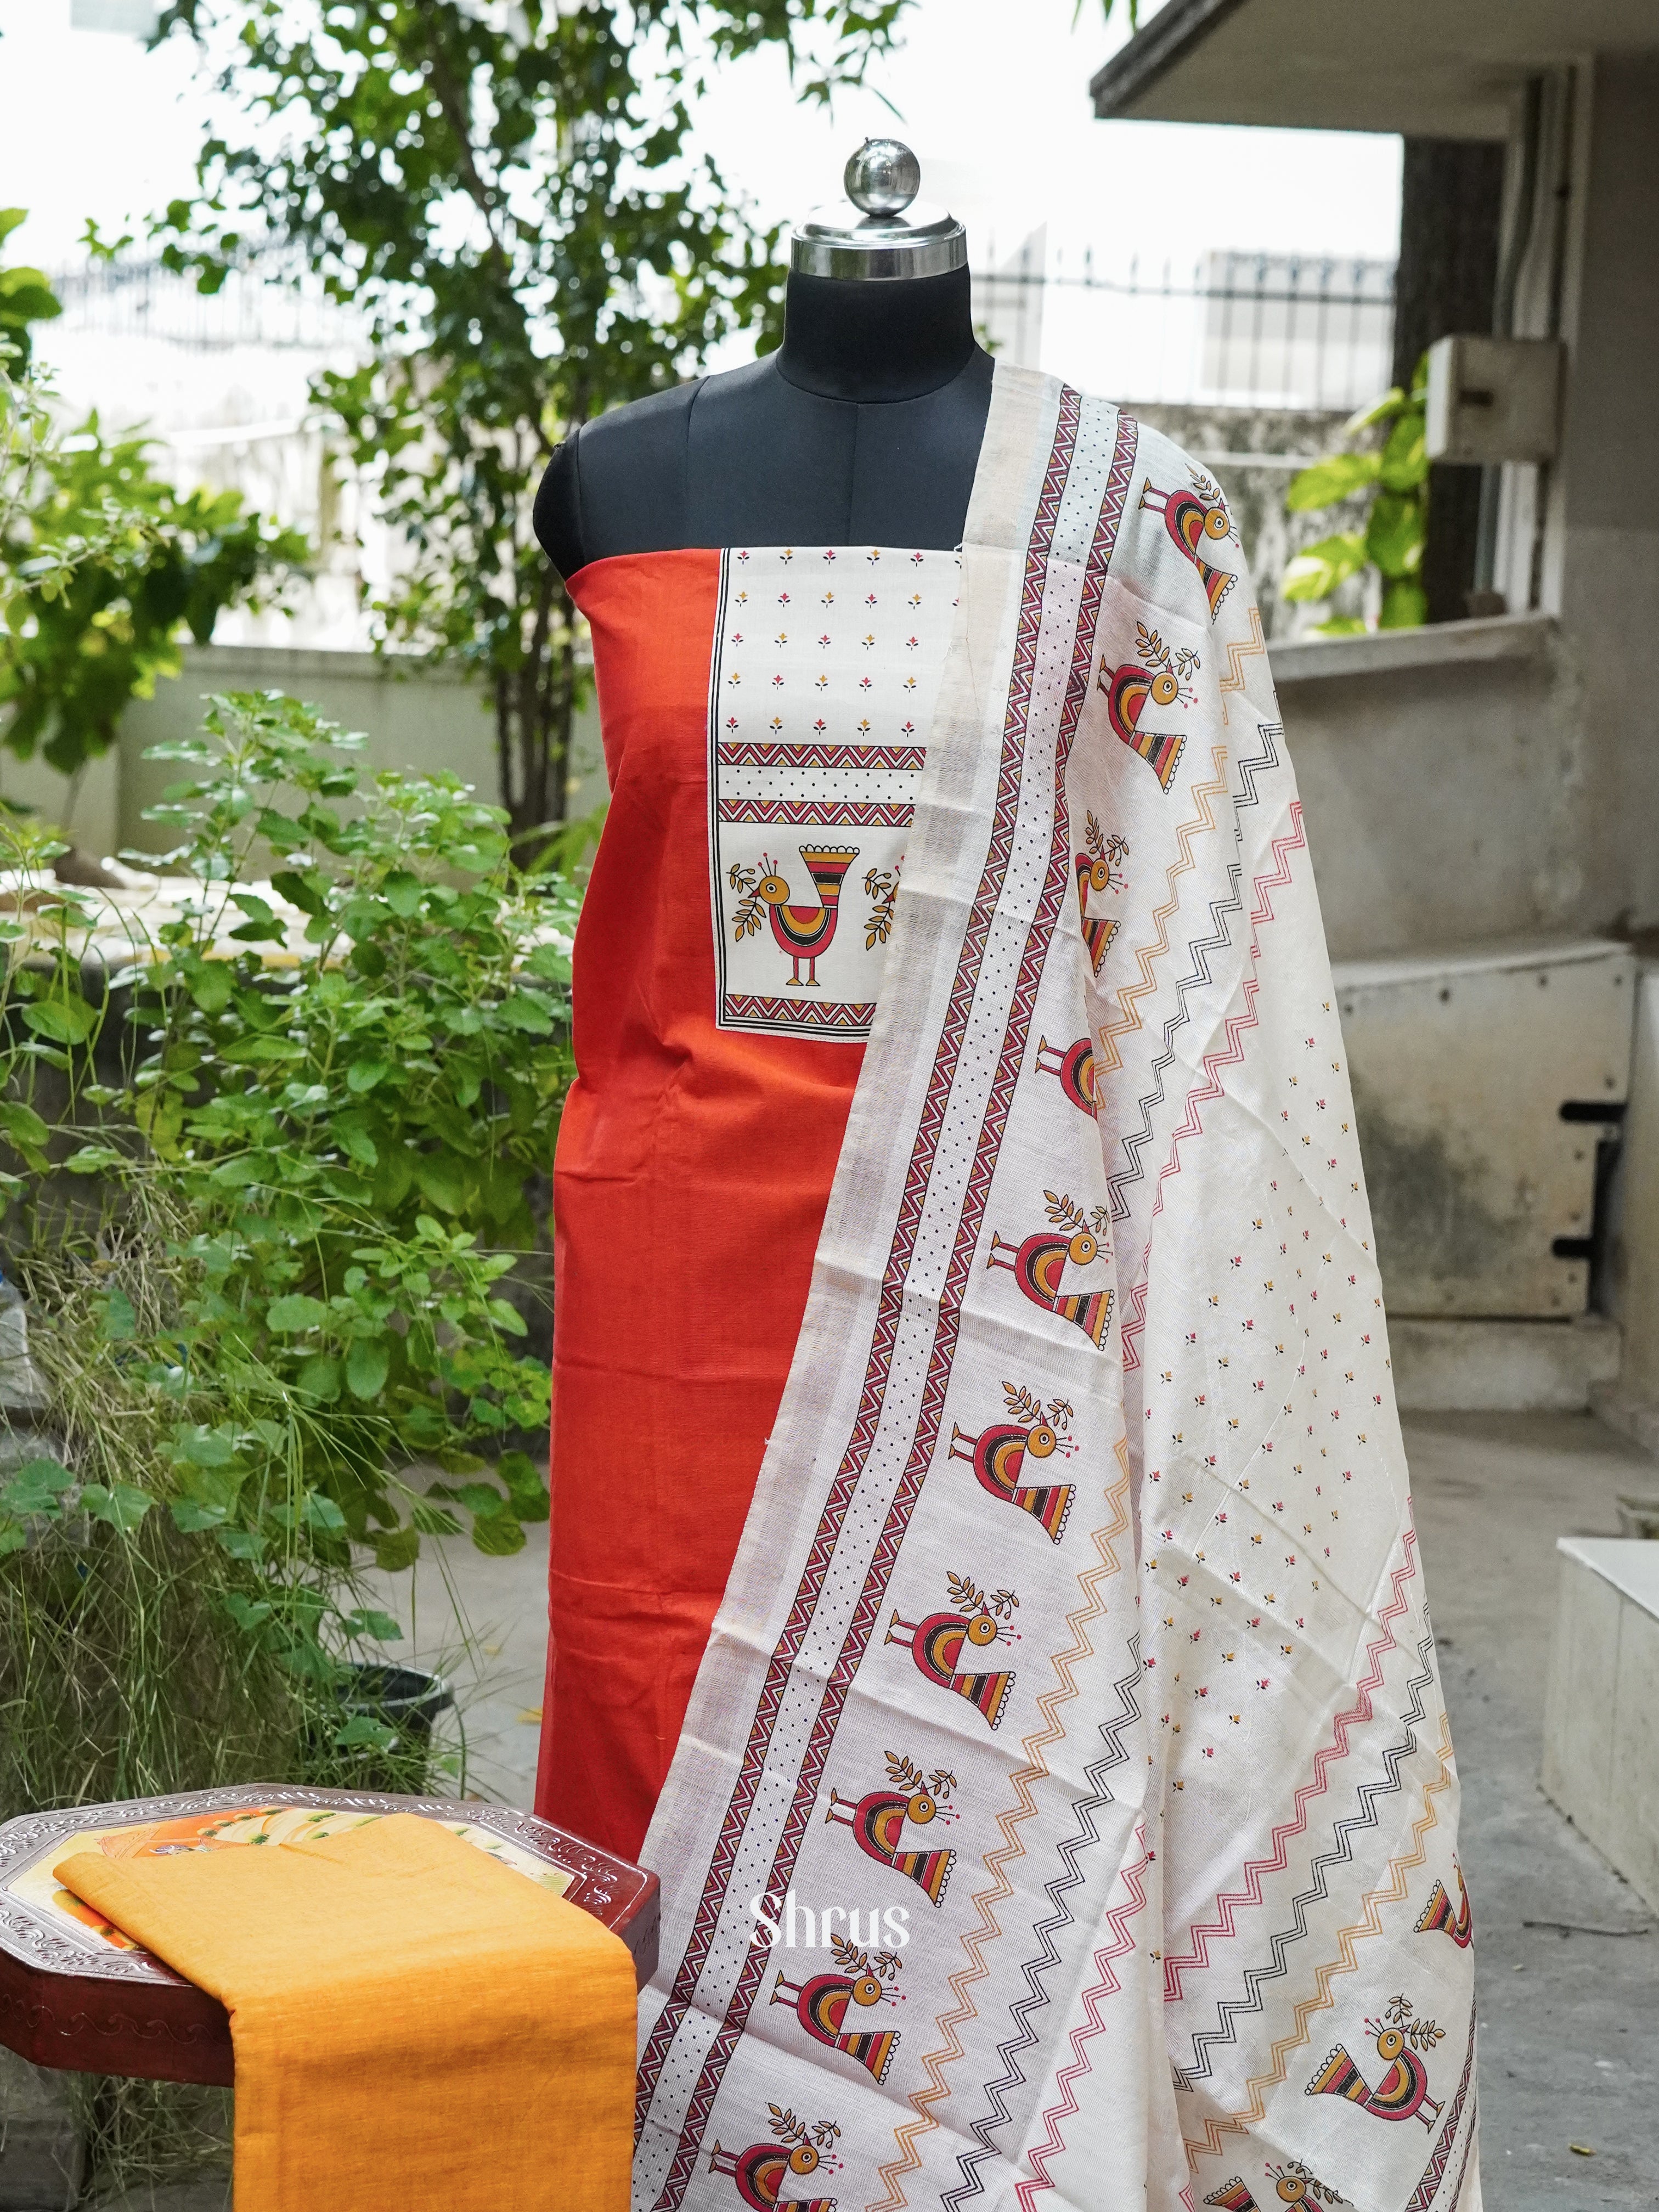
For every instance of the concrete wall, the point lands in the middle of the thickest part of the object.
(414, 716)
(1442, 782)
(1606, 519)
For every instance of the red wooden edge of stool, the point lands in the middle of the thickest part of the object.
(81, 2005)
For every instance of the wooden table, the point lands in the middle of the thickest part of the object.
(74, 1993)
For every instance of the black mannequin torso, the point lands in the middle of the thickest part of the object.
(863, 429)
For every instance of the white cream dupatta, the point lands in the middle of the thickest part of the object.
(1073, 1691)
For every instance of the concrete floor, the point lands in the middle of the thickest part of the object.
(481, 1623)
(1570, 2049)
(1569, 2018)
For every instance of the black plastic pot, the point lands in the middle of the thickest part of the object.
(407, 1701)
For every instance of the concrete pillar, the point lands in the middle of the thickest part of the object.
(1605, 517)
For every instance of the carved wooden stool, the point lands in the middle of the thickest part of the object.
(75, 1992)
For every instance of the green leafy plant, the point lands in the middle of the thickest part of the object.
(26, 297)
(1393, 468)
(269, 1177)
(512, 198)
(83, 645)
(105, 568)
(271, 1128)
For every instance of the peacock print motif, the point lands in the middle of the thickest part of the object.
(1038, 1265)
(878, 1821)
(998, 1456)
(795, 2151)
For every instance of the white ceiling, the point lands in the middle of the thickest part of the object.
(1426, 68)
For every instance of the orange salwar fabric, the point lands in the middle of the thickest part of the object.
(693, 1170)
(415, 2025)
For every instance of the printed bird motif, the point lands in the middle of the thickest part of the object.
(1293, 2185)
(939, 1641)
(1038, 1266)
(1191, 518)
(1073, 1065)
(998, 1456)
(806, 933)
(1438, 1914)
(1403, 2091)
(878, 1821)
(1159, 678)
(762, 2172)
(824, 2004)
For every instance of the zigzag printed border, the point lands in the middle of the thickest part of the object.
(1231, 1056)
(829, 813)
(844, 1017)
(1329, 1755)
(742, 752)
(1424, 2195)
(1345, 1962)
(1199, 953)
(1107, 1987)
(1057, 1890)
(1371, 1794)
(782, 1660)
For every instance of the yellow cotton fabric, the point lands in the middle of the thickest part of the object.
(415, 2025)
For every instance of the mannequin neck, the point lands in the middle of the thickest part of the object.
(869, 340)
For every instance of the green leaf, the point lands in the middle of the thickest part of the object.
(440, 1179)
(202, 1446)
(550, 962)
(367, 1365)
(320, 1378)
(1405, 605)
(242, 1543)
(22, 1124)
(248, 1614)
(262, 1052)
(434, 1520)
(192, 1516)
(296, 1313)
(1405, 456)
(35, 1488)
(403, 893)
(524, 1011)
(1327, 481)
(498, 1535)
(364, 1074)
(323, 1514)
(1375, 411)
(309, 891)
(119, 1322)
(396, 1549)
(210, 986)
(1318, 570)
(1394, 534)
(94, 1160)
(66, 1021)
(215, 1489)
(124, 1506)
(379, 1627)
(354, 1140)
(363, 1729)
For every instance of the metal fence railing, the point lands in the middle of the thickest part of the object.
(143, 299)
(1231, 330)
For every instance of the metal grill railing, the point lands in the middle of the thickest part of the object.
(253, 308)
(1231, 330)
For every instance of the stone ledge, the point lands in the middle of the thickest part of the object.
(1602, 1708)
(1454, 1366)
(1436, 645)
